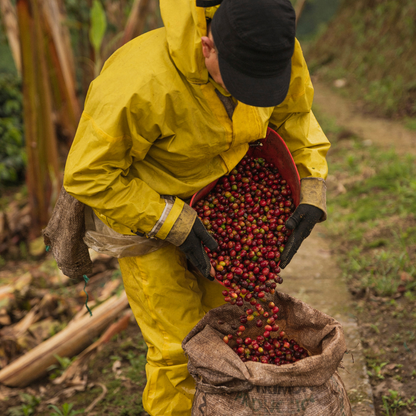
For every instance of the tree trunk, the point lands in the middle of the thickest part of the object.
(42, 175)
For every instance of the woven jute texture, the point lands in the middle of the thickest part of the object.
(227, 386)
(64, 235)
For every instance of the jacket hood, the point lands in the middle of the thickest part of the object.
(185, 23)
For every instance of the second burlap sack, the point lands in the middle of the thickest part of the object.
(227, 386)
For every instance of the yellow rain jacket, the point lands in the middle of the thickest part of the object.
(153, 125)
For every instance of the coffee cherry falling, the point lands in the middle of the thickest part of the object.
(246, 214)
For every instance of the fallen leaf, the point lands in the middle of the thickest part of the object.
(116, 367)
(406, 277)
(401, 288)
(6, 393)
(388, 384)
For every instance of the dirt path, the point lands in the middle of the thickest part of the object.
(314, 277)
(384, 133)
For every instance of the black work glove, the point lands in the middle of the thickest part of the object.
(194, 250)
(301, 222)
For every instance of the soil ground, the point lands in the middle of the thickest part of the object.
(347, 114)
(386, 325)
(314, 277)
(117, 372)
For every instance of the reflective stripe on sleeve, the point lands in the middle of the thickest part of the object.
(169, 201)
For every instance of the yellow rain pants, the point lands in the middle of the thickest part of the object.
(167, 301)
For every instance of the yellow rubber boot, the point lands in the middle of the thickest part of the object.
(167, 301)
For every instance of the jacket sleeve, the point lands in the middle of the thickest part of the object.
(297, 125)
(307, 144)
(101, 172)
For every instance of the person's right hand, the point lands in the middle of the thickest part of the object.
(194, 250)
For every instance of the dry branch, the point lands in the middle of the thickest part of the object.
(79, 366)
(66, 343)
(14, 226)
(99, 398)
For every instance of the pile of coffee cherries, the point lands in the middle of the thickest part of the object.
(246, 213)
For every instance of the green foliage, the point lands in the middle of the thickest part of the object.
(28, 407)
(410, 123)
(394, 401)
(78, 21)
(371, 45)
(373, 219)
(390, 191)
(315, 14)
(12, 148)
(6, 59)
(385, 93)
(80, 18)
(98, 25)
(66, 410)
(376, 366)
(58, 369)
(137, 360)
(137, 366)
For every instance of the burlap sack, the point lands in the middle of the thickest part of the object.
(64, 236)
(227, 386)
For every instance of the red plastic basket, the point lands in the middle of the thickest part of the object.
(273, 150)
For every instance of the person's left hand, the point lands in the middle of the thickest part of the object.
(301, 222)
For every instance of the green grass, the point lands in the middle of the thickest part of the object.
(6, 58)
(65, 411)
(27, 408)
(373, 222)
(410, 123)
(370, 45)
(124, 395)
(376, 369)
(394, 401)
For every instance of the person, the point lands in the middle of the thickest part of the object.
(171, 111)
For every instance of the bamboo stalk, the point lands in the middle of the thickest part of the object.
(66, 343)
